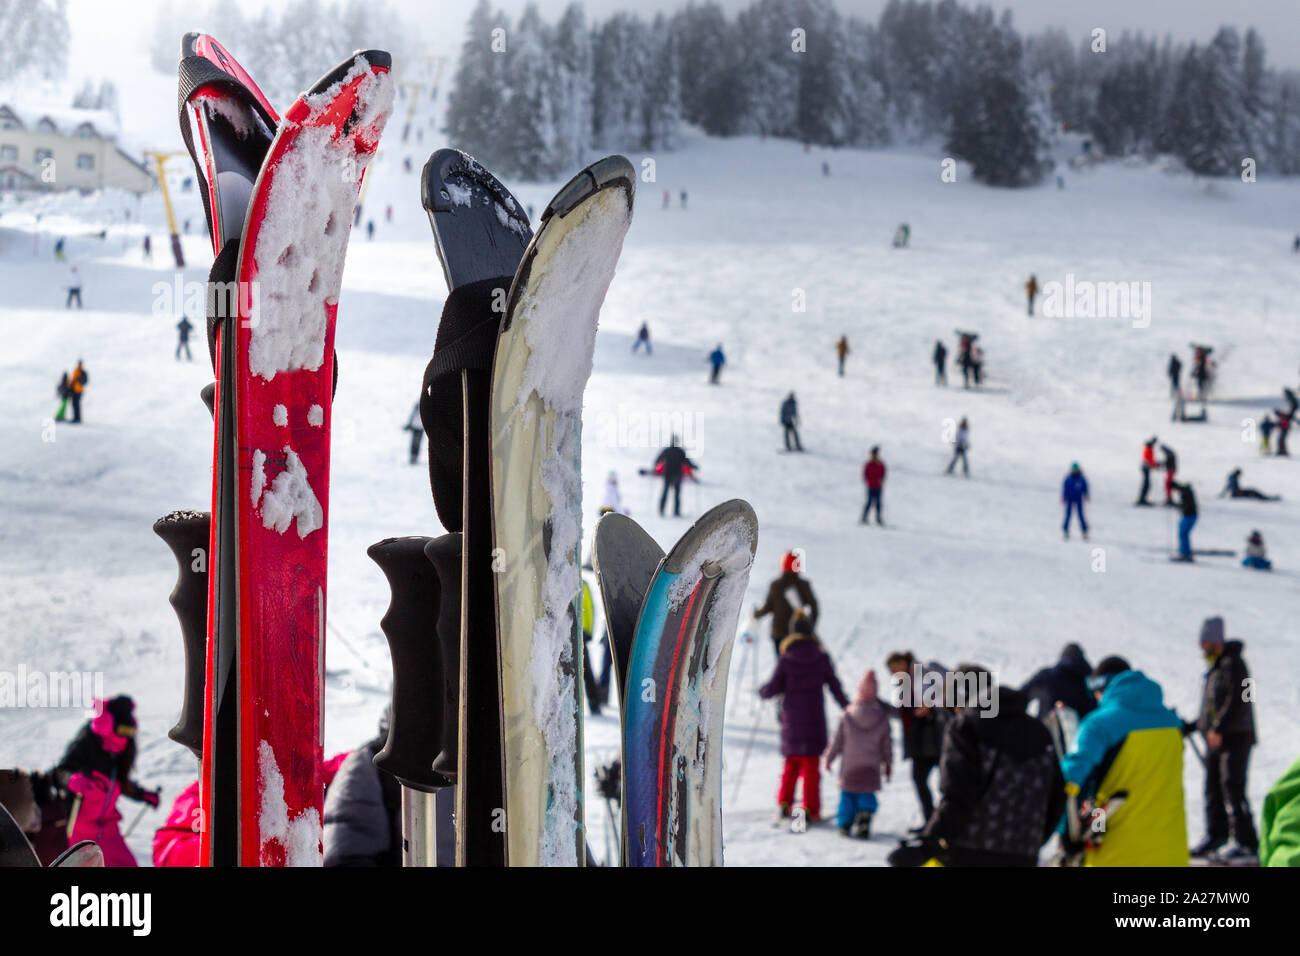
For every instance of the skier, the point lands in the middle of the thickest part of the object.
(803, 668)
(1031, 291)
(1148, 463)
(1001, 791)
(964, 342)
(673, 464)
(97, 768)
(58, 248)
(923, 727)
(1266, 434)
(977, 362)
(960, 444)
(1283, 426)
(873, 473)
(611, 501)
(176, 842)
(668, 199)
(1233, 489)
(64, 391)
(826, 168)
(1256, 554)
(1074, 492)
(74, 287)
(785, 594)
(683, 198)
(716, 360)
(841, 351)
(940, 360)
(76, 387)
(1187, 503)
(901, 235)
(1169, 462)
(363, 809)
(148, 248)
(863, 744)
(183, 329)
(1065, 682)
(1131, 743)
(370, 229)
(1227, 721)
(790, 422)
(388, 213)
(1201, 370)
(416, 428)
(1175, 374)
(642, 338)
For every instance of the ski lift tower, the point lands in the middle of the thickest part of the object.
(160, 161)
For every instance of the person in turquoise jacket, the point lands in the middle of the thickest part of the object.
(1131, 743)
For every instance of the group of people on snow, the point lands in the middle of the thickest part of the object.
(1006, 783)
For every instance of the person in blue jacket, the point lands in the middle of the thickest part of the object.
(1131, 744)
(1074, 492)
(716, 361)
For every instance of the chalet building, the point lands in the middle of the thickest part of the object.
(65, 149)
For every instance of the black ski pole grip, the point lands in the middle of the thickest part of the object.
(444, 554)
(411, 627)
(186, 533)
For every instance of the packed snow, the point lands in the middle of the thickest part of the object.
(966, 569)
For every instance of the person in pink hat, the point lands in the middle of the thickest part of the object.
(863, 744)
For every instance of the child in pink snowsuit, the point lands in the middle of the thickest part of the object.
(97, 769)
(863, 743)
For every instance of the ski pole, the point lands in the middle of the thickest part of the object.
(139, 815)
(744, 758)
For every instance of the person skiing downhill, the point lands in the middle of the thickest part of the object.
(97, 768)
(673, 464)
(1065, 682)
(1148, 465)
(642, 338)
(790, 422)
(1031, 291)
(717, 359)
(74, 287)
(1001, 790)
(183, 329)
(1074, 492)
(1131, 744)
(841, 351)
(873, 473)
(1175, 372)
(786, 593)
(1169, 462)
(803, 669)
(960, 443)
(1187, 504)
(940, 359)
(1227, 721)
(862, 743)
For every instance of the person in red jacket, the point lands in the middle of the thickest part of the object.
(1148, 465)
(873, 473)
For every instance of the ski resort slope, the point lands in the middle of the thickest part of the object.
(774, 261)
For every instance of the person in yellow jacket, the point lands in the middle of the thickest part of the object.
(1132, 743)
(588, 623)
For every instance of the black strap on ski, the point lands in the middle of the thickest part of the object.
(467, 340)
(220, 282)
(195, 71)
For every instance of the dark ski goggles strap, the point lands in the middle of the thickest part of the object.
(467, 340)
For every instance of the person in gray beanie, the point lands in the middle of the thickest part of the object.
(1227, 720)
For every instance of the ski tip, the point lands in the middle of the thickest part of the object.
(376, 59)
(188, 43)
(736, 511)
(610, 172)
(617, 527)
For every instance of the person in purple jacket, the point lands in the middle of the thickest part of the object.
(802, 670)
(863, 743)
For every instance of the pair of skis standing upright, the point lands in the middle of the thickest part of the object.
(484, 620)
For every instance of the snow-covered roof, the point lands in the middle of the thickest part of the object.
(64, 120)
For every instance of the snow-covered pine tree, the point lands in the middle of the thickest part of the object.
(573, 65)
(478, 92)
(708, 58)
(662, 101)
(527, 145)
(619, 76)
(825, 84)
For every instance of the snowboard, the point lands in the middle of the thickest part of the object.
(676, 685)
(262, 756)
(624, 557)
(539, 372)
(481, 235)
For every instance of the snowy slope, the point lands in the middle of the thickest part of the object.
(968, 569)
